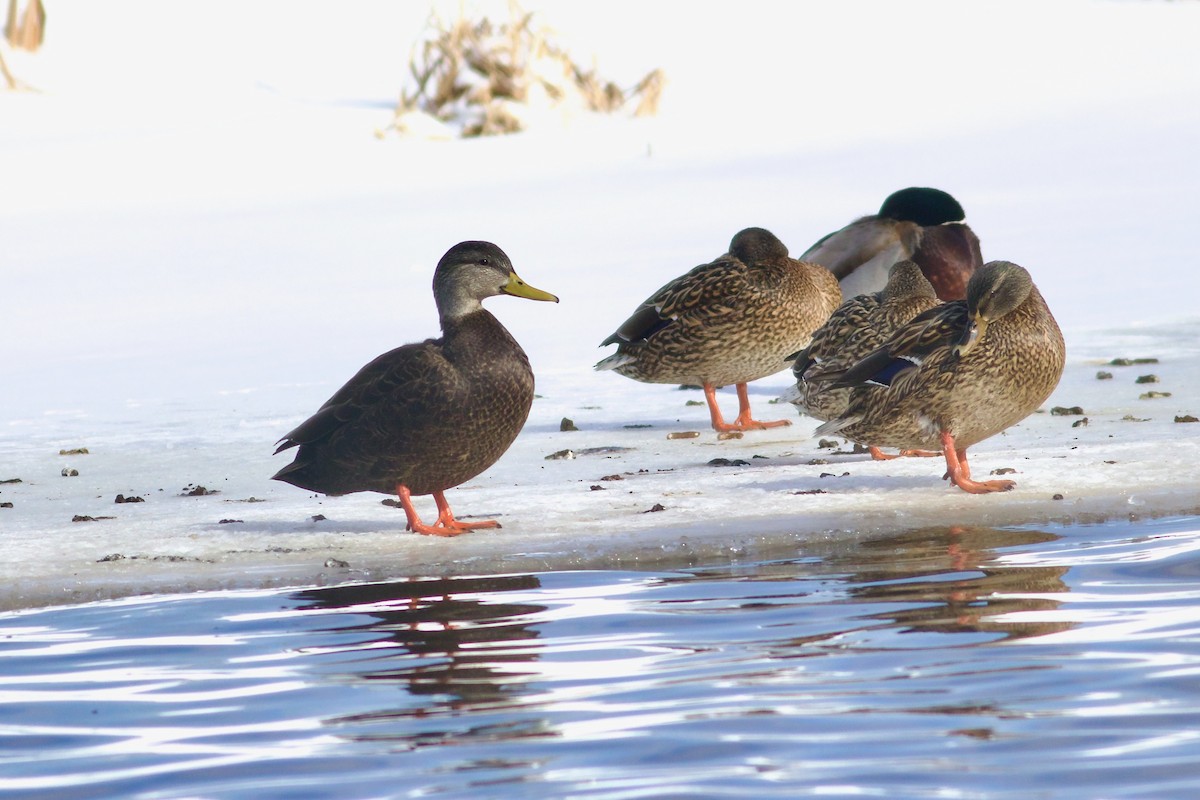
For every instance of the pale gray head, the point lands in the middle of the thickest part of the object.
(754, 245)
(472, 271)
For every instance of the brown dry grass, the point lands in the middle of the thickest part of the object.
(23, 30)
(477, 76)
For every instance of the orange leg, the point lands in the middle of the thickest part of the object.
(743, 421)
(959, 471)
(446, 524)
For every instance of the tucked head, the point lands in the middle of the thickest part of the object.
(997, 288)
(923, 206)
(905, 279)
(753, 245)
(472, 271)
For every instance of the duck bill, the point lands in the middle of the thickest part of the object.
(977, 331)
(519, 288)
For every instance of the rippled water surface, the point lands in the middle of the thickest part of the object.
(939, 663)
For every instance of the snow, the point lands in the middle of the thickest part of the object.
(203, 238)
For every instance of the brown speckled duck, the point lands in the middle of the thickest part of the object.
(917, 223)
(426, 417)
(857, 327)
(959, 373)
(731, 321)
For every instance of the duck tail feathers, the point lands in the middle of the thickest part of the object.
(614, 361)
(835, 425)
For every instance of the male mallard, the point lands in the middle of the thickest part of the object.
(857, 327)
(426, 417)
(959, 373)
(921, 224)
(731, 321)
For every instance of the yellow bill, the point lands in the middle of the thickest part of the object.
(519, 288)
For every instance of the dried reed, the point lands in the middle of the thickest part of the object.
(484, 79)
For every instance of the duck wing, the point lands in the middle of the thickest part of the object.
(844, 332)
(870, 239)
(941, 327)
(707, 291)
(400, 381)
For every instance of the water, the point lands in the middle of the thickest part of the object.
(1011, 663)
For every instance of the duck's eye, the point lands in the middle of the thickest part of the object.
(485, 261)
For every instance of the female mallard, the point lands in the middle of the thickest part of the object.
(426, 417)
(959, 373)
(732, 321)
(921, 224)
(857, 327)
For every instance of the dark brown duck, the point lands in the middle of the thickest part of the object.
(429, 416)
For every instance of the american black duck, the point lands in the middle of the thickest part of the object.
(426, 417)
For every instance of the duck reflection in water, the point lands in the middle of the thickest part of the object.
(480, 659)
(934, 580)
(455, 637)
(954, 577)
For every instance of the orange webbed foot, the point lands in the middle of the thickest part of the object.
(879, 455)
(959, 471)
(748, 424)
(451, 527)
(744, 421)
(983, 487)
(446, 524)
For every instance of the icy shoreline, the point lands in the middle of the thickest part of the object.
(781, 496)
